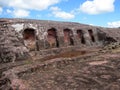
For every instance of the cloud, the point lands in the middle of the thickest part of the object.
(21, 8)
(57, 12)
(114, 24)
(20, 13)
(9, 11)
(28, 4)
(97, 6)
(1, 10)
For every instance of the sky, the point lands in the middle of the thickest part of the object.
(105, 13)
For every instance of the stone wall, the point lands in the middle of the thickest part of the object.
(38, 35)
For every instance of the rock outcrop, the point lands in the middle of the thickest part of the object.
(51, 55)
(20, 36)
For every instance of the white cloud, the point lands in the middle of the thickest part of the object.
(21, 8)
(91, 24)
(55, 9)
(97, 6)
(57, 12)
(29, 4)
(114, 24)
(20, 13)
(1, 10)
(9, 11)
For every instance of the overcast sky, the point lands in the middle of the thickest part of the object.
(104, 13)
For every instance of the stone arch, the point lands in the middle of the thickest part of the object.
(68, 36)
(80, 35)
(90, 31)
(52, 37)
(29, 37)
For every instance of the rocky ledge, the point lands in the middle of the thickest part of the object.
(91, 69)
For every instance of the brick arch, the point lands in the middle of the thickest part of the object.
(80, 35)
(52, 37)
(68, 36)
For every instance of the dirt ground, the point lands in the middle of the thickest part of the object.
(78, 75)
(85, 70)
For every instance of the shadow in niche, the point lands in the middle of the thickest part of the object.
(91, 35)
(68, 36)
(81, 36)
(29, 36)
(52, 38)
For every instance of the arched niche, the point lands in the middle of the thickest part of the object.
(52, 38)
(91, 35)
(29, 36)
(68, 36)
(80, 35)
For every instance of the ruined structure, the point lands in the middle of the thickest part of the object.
(49, 43)
(38, 35)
